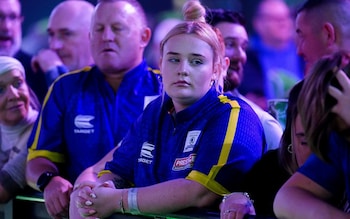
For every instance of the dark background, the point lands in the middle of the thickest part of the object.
(36, 12)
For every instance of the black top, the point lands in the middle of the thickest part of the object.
(263, 182)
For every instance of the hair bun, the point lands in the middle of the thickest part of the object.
(193, 10)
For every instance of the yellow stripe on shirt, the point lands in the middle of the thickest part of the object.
(54, 156)
(208, 181)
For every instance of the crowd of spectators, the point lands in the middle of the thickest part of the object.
(123, 113)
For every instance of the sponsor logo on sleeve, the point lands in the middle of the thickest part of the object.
(146, 155)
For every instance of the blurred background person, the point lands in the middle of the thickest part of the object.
(36, 37)
(273, 66)
(10, 43)
(235, 37)
(161, 29)
(18, 112)
(68, 38)
(322, 35)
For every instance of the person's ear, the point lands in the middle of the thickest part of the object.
(160, 64)
(216, 71)
(145, 36)
(329, 33)
(226, 64)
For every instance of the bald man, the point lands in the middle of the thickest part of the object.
(69, 48)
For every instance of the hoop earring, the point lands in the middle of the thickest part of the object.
(290, 148)
(212, 82)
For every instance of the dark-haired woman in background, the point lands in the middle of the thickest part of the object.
(326, 174)
(275, 167)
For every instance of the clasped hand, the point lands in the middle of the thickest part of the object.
(95, 200)
(235, 206)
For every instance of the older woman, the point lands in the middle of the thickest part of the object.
(18, 112)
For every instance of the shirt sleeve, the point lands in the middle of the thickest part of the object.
(46, 140)
(227, 153)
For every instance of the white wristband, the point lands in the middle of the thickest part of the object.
(132, 201)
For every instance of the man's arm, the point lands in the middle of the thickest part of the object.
(57, 190)
(36, 167)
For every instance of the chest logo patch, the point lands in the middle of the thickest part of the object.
(184, 163)
(83, 124)
(191, 140)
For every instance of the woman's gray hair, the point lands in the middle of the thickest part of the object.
(8, 63)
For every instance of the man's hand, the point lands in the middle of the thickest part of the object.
(57, 195)
(46, 59)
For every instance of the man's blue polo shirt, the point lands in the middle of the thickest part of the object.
(83, 118)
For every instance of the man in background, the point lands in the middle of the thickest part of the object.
(234, 34)
(273, 66)
(10, 43)
(68, 32)
(322, 35)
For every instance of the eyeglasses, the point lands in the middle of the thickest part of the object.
(10, 17)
